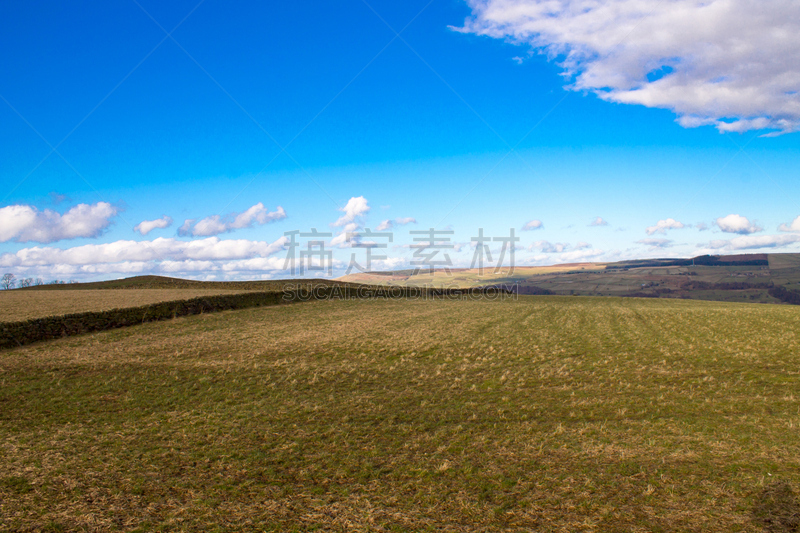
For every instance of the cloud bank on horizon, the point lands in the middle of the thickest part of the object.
(733, 64)
(245, 258)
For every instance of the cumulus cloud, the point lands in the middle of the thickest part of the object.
(532, 225)
(598, 221)
(549, 247)
(186, 226)
(546, 247)
(733, 64)
(663, 225)
(656, 243)
(748, 242)
(146, 226)
(389, 224)
(580, 255)
(118, 254)
(794, 225)
(214, 225)
(356, 208)
(737, 224)
(341, 239)
(351, 221)
(390, 263)
(25, 223)
(701, 226)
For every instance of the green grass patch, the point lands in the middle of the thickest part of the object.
(543, 414)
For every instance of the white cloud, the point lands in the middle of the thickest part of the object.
(390, 263)
(214, 225)
(549, 247)
(352, 221)
(701, 226)
(656, 243)
(186, 226)
(546, 247)
(737, 224)
(146, 226)
(228, 259)
(794, 225)
(25, 223)
(748, 242)
(532, 225)
(389, 224)
(663, 225)
(340, 239)
(161, 249)
(598, 221)
(576, 256)
(356, 207)
(734, 64)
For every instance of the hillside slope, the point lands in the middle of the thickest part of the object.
(741, 278)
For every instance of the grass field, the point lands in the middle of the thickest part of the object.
(542, 414)
(25, 304)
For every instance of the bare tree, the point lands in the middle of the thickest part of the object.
(8, 281)
(39, 281)
(26, 282)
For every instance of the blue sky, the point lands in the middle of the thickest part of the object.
(221, 128)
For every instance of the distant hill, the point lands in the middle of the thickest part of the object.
(758, 278)
(162, 282)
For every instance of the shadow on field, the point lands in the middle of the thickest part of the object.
(776, 508)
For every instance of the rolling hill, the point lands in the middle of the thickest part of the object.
(741, 278)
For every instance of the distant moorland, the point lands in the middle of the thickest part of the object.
(758, 278)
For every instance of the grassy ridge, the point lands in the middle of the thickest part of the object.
(546, 414)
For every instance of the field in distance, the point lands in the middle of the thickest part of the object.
(738, 278)
(23, 305)
(50, 300)
(537, 414)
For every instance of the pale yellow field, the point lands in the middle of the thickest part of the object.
(23, 305)
(469, 277)
(781, 261)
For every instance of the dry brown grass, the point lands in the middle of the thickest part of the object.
(545, 414)
(23, 305)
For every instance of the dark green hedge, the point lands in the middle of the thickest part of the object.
(40, 329)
